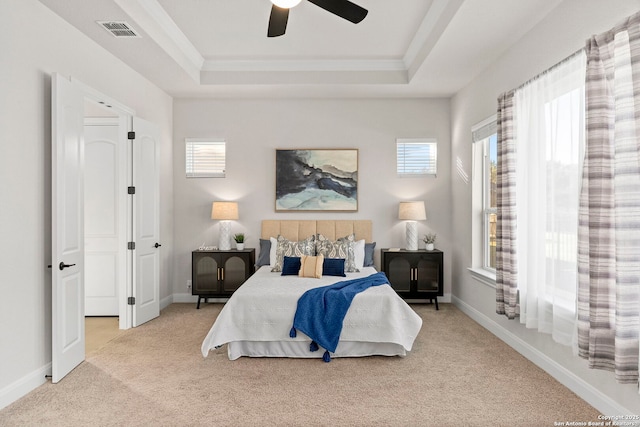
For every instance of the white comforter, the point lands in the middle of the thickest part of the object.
(262, 310)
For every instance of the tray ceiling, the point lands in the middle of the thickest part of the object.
(219, 48)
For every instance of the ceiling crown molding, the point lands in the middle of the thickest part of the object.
(431, 29)
(257, 72)
(151, 17)
(304, 65)
(156, 22)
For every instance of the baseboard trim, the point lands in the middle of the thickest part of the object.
(166, 302)
(185, 298)
(24, 385)
(586, 391)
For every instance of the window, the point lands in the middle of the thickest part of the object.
(489, 193)
(548, 129)
(205, 158)
(416, 157)
(485, 139)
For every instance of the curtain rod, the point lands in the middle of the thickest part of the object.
(553, 67)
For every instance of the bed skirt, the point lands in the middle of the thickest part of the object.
(300, 349)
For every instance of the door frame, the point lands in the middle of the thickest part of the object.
(123, 215)
(125, 119)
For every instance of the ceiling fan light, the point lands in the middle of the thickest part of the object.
(286, 4)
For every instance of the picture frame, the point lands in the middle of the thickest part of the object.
(317, 180)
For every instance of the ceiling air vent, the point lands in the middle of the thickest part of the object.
(119, 29)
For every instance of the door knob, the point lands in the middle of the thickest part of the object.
(62, 265)
(157, 245)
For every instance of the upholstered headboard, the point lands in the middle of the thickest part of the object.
(296, 230)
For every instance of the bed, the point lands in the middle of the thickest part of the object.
(256, 321)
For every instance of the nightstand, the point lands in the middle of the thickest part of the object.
(414, 274)
(217, 274)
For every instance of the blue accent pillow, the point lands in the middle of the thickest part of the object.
(333, 267)
(263, 256)
(291, 266)
(368, 254)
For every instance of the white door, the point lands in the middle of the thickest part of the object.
(146, 224)
(67, 240)
(105, 224)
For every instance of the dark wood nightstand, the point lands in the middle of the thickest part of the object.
(217, 274)
(414, 274)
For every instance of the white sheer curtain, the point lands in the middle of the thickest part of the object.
(549, 134)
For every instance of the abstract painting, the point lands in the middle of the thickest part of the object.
(317, 180)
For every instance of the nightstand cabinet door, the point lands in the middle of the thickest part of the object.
(205, 274)
(399, 272)
(428, 272)
(235, 270)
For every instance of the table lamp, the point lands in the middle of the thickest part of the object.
(225, 212)
(412, 212)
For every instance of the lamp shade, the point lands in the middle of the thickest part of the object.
(286, 4)
(224, 210)
(413, 211)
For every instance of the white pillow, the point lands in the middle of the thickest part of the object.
(359, 253)
(272, 252)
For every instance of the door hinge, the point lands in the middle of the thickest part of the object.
(131, 190)
(131, 301)
(131, 245)
(131, 135)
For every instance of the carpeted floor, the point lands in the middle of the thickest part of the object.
(155, 375)
(98, 331)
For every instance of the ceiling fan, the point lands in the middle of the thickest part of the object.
(342, 8)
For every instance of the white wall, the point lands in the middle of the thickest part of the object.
(254, 129)
(563, 32)
(33, 44)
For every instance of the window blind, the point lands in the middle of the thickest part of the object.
(417, 156)
(205, 158)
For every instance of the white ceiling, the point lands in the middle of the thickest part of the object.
(219, 48)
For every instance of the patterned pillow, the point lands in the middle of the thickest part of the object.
(342, 248)
(288, 248)
(350, 265)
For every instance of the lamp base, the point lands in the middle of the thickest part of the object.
(412, 236)
(225, 236)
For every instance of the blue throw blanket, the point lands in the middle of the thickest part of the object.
(321, 310)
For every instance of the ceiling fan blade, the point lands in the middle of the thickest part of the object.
(277, 21)
(343, 8)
